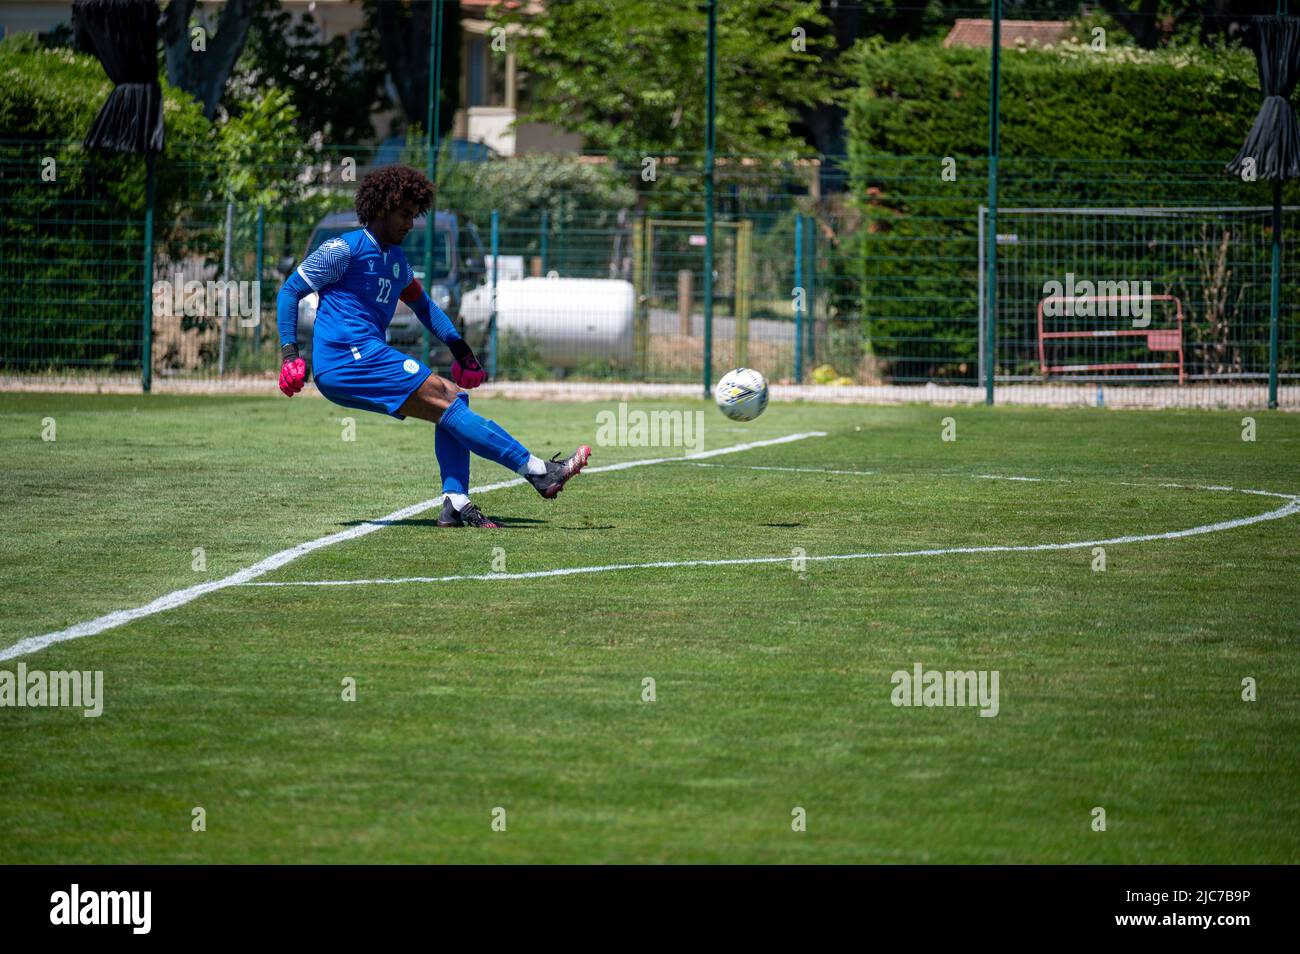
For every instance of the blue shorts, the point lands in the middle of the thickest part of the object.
(378, 378)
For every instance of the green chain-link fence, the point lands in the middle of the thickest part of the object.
(874, 281)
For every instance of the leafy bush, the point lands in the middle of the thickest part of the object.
(519, 358)
(918, 99)
(72, 247)
(524, 186)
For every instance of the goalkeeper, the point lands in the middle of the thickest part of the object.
(359, 276)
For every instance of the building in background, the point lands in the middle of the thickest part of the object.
(495, 95)
(979, 33)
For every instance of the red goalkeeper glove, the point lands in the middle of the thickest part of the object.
(465, 369)
(293, 372)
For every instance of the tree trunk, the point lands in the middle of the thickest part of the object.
(203, 73)
(824, 122)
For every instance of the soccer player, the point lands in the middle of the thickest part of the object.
(359, 276)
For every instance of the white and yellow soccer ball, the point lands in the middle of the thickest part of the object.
(741, 394)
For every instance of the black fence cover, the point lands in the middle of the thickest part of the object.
(1274, 141)
(124, 34)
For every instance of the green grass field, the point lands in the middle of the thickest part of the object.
(1119, 689)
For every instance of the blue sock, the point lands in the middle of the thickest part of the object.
(484, 437)
(453, 457)
(500, 430)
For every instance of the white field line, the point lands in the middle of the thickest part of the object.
(792, 470)
(180, 597)
(1121, 483)
(1290, 507)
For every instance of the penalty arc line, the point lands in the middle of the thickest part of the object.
(1290, 507)
(178, 598)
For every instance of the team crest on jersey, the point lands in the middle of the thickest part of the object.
(410, 366)
(396, 270)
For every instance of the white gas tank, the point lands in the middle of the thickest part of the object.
(569, 320)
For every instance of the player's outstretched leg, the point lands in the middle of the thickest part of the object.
(453, 462)
(436, 400)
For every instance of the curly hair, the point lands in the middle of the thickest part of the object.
(388, 187)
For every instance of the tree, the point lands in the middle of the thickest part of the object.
(403, 30)
(822, 122)
(1153, 23)
(198, 63)
(335, 85)
(630, 76)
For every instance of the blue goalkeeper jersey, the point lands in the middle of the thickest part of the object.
(359, 283)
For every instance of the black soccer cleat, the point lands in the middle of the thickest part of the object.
(468, 516)
(559, 471)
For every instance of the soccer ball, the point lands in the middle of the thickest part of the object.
(741, 394)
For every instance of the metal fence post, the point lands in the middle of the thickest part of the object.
(546, 230)
(492, 314)
(740, 298)
(225, 277)
(1276, 294)
(995, 72)
(799, 292)
(710, 134)
(812, 289)
(433, 134)
(561, 239)
(261, 242)
(146, 327)
(983, 303)
(640, 327)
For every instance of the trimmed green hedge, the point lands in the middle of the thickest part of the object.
(1078, 128)
(923, 100)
